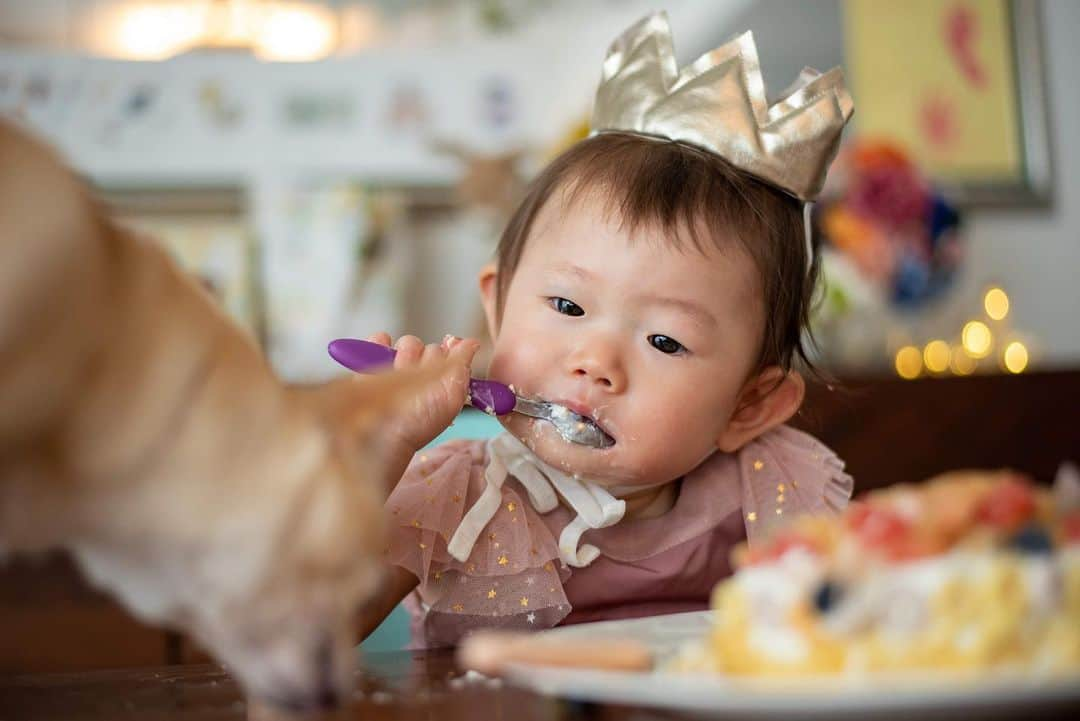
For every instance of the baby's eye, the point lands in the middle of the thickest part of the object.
(566, 307)
(664, 344)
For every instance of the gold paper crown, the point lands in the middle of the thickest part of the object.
(718, 103)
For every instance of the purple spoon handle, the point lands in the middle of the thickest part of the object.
(364, 356)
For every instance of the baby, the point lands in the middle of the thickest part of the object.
(656, 280)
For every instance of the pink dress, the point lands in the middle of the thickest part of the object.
(514, 578)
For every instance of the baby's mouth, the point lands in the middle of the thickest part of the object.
(577, 426)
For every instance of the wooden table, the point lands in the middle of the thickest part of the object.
(420, 686)
(423, 685)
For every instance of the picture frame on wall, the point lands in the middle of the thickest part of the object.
(960, 85)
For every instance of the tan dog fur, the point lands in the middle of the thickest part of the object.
(144, 433)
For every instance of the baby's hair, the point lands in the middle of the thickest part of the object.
(687, 192)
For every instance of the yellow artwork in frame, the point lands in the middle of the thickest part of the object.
(958, 84)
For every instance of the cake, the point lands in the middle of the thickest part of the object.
(969, 571)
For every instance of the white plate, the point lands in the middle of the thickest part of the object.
(884, 697)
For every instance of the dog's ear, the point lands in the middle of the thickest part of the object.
(357, 405)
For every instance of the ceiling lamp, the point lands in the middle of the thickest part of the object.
(296, 32)
(270, 29)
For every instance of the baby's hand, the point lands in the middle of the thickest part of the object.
(433, 410)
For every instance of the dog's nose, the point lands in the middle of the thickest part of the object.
(328, 698)
(327, 695)
(323, 693)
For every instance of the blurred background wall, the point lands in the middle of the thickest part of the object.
(335, 168)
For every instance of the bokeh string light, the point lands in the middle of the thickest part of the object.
(984, 343)
(936, 356)
(996, 303)
(909, 362)
(1015, 357)
(977, 339)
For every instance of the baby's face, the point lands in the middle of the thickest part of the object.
(651, 342)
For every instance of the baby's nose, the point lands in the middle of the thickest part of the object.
(599, 365)
(595, 375)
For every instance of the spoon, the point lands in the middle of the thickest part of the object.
(491, 397)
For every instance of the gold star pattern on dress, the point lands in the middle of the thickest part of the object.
(423, 546)
(438, 576)
(758, 465)
(511, 507)
(491, 536)
(524, 600)
(779, 487)
(503, 560)
(491, 593)
(456, 498)
(458, 607)
(751, 516)
(416, 524)
(548, 566)
(779, 511)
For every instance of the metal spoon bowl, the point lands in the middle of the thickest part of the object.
(571, 426)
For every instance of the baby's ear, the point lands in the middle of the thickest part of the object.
(489, 292)
(766, 400)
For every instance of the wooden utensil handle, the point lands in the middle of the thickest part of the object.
(489, 652)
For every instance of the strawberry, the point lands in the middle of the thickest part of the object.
(1008, 505)
(1070, 526)
(879, 526)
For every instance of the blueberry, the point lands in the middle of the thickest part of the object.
(827, 596)
(1032, 539)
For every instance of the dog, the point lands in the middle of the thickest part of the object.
(144, 433)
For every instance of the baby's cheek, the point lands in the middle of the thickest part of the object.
(677, 433)
(522, 369)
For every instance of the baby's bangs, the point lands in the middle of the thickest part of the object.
(656, 183)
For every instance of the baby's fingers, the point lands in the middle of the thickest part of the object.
(380, 338)
(460, 355)
(409, 351)
(462, 350)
